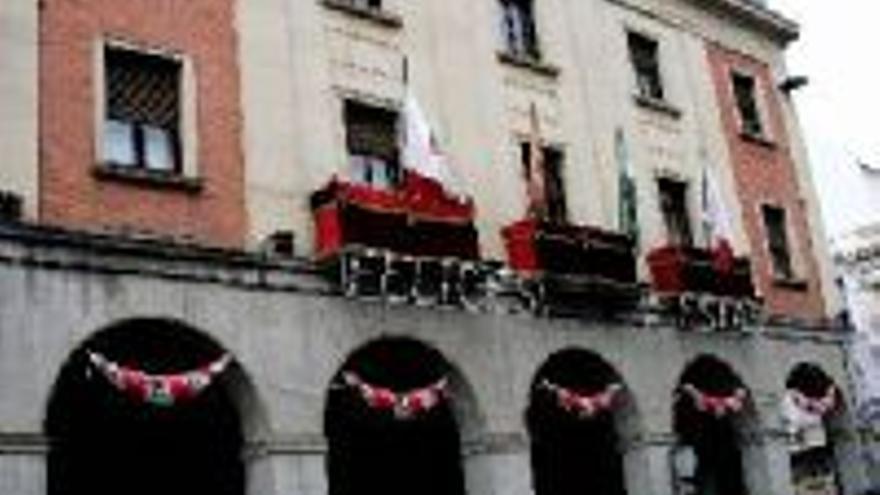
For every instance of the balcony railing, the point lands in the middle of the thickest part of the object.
(676, 270)
(572, 265)
(414, 221)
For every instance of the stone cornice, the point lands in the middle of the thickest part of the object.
(770, 22)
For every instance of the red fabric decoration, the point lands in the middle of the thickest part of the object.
(819, 406)
(584, 406)
(716, 405)
(404, 405)
(159, 390)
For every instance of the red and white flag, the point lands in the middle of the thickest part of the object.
(422, 156)
(716, 220)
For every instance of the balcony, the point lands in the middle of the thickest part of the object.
(677, 270)
(571, 266)
(417, 220)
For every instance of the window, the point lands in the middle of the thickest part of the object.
(518, 29)
(371, 135)
(363, 4)
(747, 104)
(142, 119)
(673, 207)
(777, 241)
(554, 185)
(644, 55)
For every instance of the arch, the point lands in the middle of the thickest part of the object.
(394, 418)
(579, 414)
(103, 440)
(813, 413)
(712, 415)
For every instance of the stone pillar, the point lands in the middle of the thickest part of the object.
(23, 460)
(767, 463)
(498, 464)
(646, 464)
(282, 467)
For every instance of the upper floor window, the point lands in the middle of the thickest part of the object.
(518, 28)
(775, 227)
(674, 209)
(554, 185)
(371, 138)
(744, 91)
(142, 120)
(644, 55)
(363, 4)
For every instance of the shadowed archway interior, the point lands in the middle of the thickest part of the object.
(104, 442)
(572, 454)
(813, 453)
(715, 440)
(373, 450)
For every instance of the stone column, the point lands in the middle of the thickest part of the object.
(23, 460)
(287, 466)
(767, 463)
(646, 464)
(498, 464)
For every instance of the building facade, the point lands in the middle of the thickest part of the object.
(223, 183)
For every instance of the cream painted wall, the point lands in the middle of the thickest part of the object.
(18, 101)
(300, 59)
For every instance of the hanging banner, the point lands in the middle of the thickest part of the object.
(583, 405)
(404, 405)
(159, 390)
(716, 405)
(819, 406)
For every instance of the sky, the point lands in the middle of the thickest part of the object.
(839, 110)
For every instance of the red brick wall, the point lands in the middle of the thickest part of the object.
(203, 30)
(765, 173)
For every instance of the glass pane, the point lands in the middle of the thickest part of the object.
(119, 147)
(158, 149)
(358, 171)
(381, 174)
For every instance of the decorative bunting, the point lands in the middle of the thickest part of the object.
(819, 406)
(404, 405)
(718, 406)
(584, 406)
(159, 390)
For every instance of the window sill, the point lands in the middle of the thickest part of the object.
(375, 15)
(147, 178)
(757, 139)
(529, 63)
(792, 284)
(661, 106)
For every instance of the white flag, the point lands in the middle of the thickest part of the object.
(716, 220)
(421, 155)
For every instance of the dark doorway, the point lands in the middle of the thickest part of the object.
(104, 442)
(574, 453)
(712, 437)
(374, 450)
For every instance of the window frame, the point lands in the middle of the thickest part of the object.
(530, 37)
(763, 135)
(685, 238)
(185, 169)
(397, 176)
(792, 276)
(658, 83)
(562, 214)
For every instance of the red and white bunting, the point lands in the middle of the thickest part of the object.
(160, 390)
(716, 405)
(584, 406)
(404, 405)
(819, 406)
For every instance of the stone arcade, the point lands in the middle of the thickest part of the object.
(278, 421)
